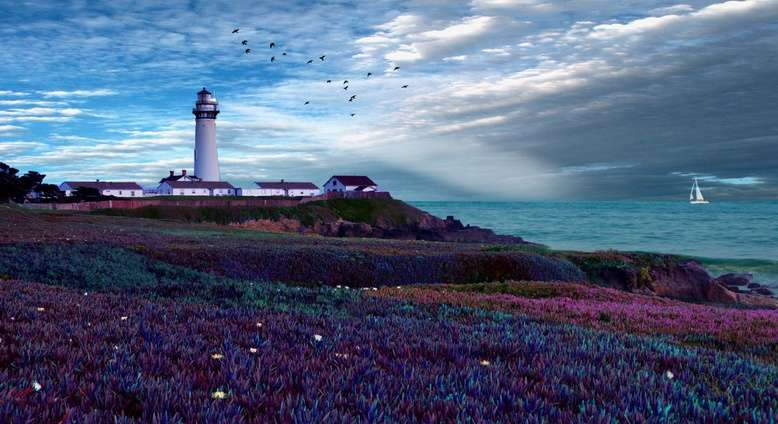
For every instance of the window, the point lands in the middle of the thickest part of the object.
(193, 192)
(120, 192)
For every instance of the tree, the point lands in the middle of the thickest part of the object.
(30, 181)
(49, 192)
(10, 187)
(86, 194)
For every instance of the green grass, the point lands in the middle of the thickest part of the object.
(104, 268)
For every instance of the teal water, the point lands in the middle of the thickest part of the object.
(727, 237)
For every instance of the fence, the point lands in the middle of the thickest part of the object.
(215, 202)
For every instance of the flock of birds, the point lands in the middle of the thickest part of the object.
(345, 85)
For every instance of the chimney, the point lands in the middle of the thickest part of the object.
(183, 172)
(97, 180)
(171, 173)
(282, 180)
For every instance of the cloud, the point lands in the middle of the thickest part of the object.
(676, 9)
(575, 99)
(6, 130)
(79, 93)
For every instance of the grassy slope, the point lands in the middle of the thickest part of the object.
(371, 211)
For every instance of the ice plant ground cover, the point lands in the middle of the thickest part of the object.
(118, 319)
(748, 331)
(383, 361)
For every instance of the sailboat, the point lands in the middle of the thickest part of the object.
(695, 196)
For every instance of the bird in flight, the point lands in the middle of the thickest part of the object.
(307, 102)
(352, 98)
(405, 86)
(309, 62)
(345, 82)
(272, 45)
(244, 42)
(272, 59)
(396, 68)
(235, 31)
(329, 81)
(353, 114)
(283, 54)
(248, 51)
(322, 57)
(345, 88)
(369, 74)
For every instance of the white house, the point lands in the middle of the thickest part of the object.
(343, 183)
(281, 188)
(118, 189)
(196, 188)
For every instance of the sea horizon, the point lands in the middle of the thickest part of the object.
(725, 236)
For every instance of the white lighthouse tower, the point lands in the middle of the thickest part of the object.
(206, 158)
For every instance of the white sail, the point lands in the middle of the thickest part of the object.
(695, 196)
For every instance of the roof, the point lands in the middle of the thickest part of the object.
(354, 180)
(177, 177)
(287, 185)
(199, 184)
(104, 185)
(204, 91)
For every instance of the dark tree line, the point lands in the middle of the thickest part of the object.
(16, 188)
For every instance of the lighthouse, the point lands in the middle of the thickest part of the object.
(206, 158)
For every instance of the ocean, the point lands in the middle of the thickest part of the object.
(725, 236)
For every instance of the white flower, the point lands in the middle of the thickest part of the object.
(86, 294)
(341, 355)
(36, 386)
(115, 347)
(123, 318)
(398, 287)
(317, 337)
(219, 395)
(485, 363)
(669, 375)
(375, 289)
(40, 309)
(259, 324)
(217, 356)
(338, 286)
(253, 350)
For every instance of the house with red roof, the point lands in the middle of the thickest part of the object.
(346, 183)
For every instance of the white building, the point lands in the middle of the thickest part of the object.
(281, 188)
(106, 188)
(343, 183)
(206, 158)
(196, 188)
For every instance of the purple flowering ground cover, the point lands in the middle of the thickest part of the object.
(66, 356)
(748, 331)
(110, 319)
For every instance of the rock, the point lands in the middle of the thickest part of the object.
(764, 291)
(754, 286)
(688, 281)
(735, 279)
(735, 289)
(719, 294)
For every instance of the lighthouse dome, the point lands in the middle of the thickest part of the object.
(206, 97)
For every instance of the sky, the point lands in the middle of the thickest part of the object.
(506, 99)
